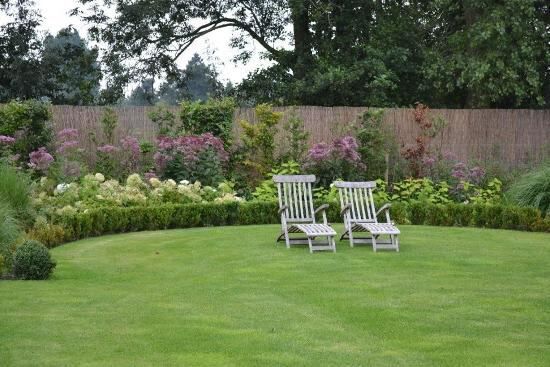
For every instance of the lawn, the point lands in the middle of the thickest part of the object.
(229, 297)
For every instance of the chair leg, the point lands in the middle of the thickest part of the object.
(310, 245)
(350, 238)
(287, 239)
(333, 244)
(374, 243)
(397, 243)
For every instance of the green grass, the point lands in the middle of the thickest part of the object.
(229, 297)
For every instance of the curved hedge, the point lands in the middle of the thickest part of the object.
(100, 221)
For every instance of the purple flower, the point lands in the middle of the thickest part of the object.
(67, 145)
(428, 161)
(132, 144)
(40, 159)
(319, 151)
(107, 149)
(7, 140)
(67, 134)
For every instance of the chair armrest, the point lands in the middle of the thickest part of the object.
(345, 209)
(321, 208)
(283, 208)
(384, 207)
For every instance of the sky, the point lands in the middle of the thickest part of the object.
(214, 48)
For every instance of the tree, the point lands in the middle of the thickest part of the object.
(20, 46)
(473, 53)
(71, 71)
(142, 95)
(490, 53)
(197, 81)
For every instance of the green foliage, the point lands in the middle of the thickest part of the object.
(109, 122)
(20, 46)
(15, 191)
(164, 119)
(9, 232)
(294, 143)
(49, 234)
(29, 122)
(71, 68)
(423, 190)
(490, 53)
(377, 144)
(533, 189)
(492, 193)
(259, 141)
(267, 190)
(214, 116)
(32, 261)
(207, 169)
(100, 221)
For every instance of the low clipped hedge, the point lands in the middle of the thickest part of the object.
(100, 221)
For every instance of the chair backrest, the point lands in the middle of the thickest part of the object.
(295, 194)
(358, 195)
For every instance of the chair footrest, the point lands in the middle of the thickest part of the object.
(313, 230)
(379, 228)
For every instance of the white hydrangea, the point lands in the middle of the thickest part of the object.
(134, 180)
(99, 177)
(61, 188)
(155, 182)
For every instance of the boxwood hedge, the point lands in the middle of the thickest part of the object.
(100, 221)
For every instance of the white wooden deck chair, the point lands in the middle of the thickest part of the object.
(298, 215)
(360, 216)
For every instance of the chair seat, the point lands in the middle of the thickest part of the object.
(379, 228)
(312, 229)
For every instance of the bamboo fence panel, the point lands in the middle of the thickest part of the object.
(509, 136)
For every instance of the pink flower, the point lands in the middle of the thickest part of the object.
(67, 145)
(132, 144)
(68, 134)
(40, 159)
(7, 140)
(107, 149)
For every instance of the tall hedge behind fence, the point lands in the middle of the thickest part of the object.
(511, 136)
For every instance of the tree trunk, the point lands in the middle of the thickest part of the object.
(302, 38)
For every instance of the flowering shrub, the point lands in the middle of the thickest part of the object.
(69, 154)
(193, 157)
(340, 160)
(27, 122)
(6, 144)
(40, 160)
(95, 191)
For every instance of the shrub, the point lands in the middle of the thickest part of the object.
(417, 153)
(28, 123)
(533, 189)
(259, 142)
(192, 157)
(340, 160)
(214, 116)
(32, 261)
(377, 144)
(49, 234)
(164, 119)
(109, 122)
(294, 143)
(96, 222)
